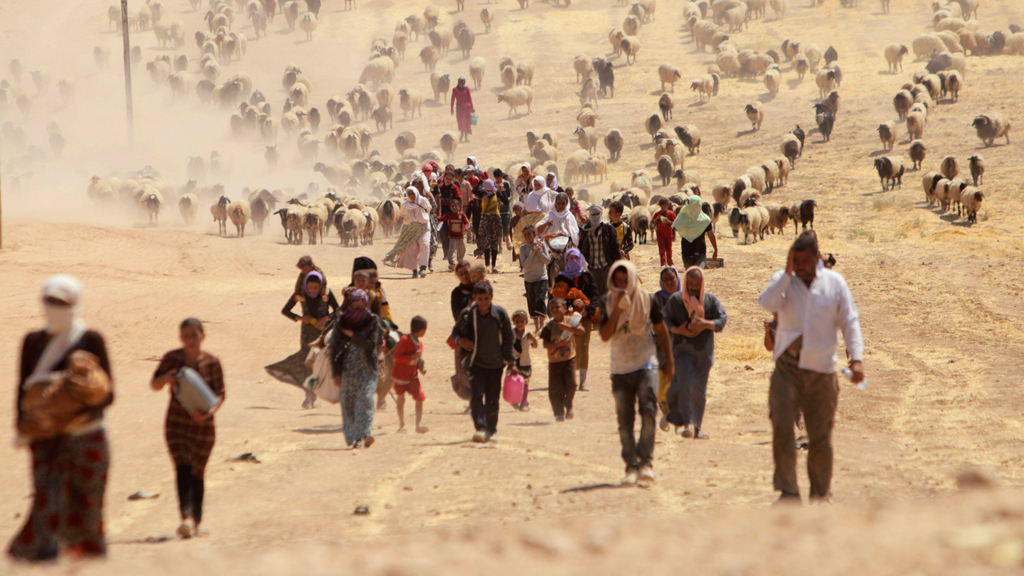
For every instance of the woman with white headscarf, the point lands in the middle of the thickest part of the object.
(64, 386)
(412, 249)
(537, 204)
(559, 221)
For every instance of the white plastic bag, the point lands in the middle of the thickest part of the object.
(324, 386)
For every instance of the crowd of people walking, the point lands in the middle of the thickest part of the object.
(577, 278)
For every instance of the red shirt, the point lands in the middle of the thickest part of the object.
(456, 223)
(664, 229)
(405, 364)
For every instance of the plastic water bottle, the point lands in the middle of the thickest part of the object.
(848, 374)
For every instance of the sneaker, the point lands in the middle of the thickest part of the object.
(688, 431)
(646, 475)
(358, 444)
(663, 424)
(185, 530)
(415, 273)
(698, 435)
(583, 388)
(569, 415)
(480, 436)
(630, 478)
(494, 270)
(524, 408)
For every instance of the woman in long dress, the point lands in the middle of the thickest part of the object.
(190, 436)
(356, 341)
(412, 249)
(489, 238)
(462, 108)
(692, 317)
(69, 468)
(669, 279)
(315, 313)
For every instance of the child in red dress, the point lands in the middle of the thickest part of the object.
(408, 367)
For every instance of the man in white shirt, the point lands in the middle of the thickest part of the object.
(812, 302)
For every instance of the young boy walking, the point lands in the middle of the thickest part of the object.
(662, 220)
(621, 228)
(561, 346)
(535, 257)
(484, 331)
(455, 221)
(408, 366)
(521, 350)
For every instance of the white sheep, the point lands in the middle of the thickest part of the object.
(772, 80)
(239, 213)
(669, 74)
(583, 65)
(516, 97)
(378, 71)
(307, 22)
(476, 72)
(894, 54)
(220, 214)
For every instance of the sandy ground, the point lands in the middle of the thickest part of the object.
(939, 300)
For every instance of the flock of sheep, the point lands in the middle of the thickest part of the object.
(943, 76)
(365, 187)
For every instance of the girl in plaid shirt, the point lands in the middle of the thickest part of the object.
(190, 437)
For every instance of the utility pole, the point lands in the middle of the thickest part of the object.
(127, 71)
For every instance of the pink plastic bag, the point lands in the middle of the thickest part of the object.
(512, 389)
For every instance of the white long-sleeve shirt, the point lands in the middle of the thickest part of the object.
(814, 312)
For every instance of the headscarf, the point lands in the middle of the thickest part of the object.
(314, 275)
(638, 308)
(562, 223)
(62, 323)
(691, 221)
(417, 205)
(354, 318)
(554, 181)
(426, 168)
(489, 188)
(471, 163)
(539, 201)
(594, 213)
(574, 268)
(663, 292)
(694, 304)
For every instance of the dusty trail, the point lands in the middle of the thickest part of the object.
(940, 303)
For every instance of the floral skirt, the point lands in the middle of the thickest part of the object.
(358, 389)
(490, 232)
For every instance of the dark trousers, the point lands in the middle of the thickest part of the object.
(69, 475)
(562, 386)
(190, 493)
(817, 394)
(631, 390)
(601, 279)
(485, 385)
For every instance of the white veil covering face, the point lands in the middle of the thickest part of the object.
(62, 323)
